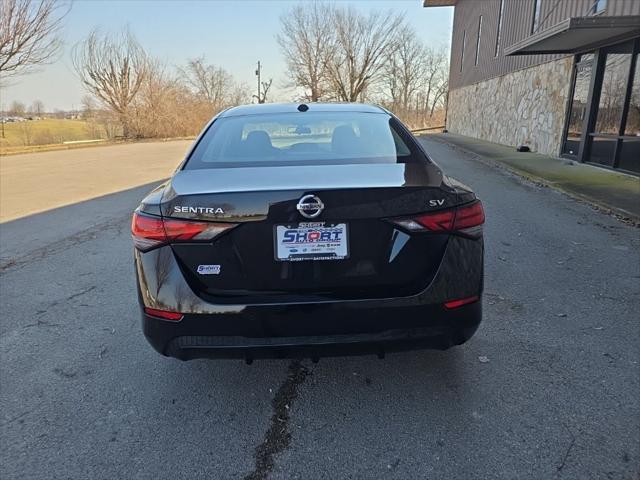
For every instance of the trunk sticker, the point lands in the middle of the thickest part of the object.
(209, 269)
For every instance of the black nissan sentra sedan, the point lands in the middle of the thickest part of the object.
(308, 230)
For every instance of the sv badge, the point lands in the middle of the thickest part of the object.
(436, 203)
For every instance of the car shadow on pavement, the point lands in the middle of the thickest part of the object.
(23, 236)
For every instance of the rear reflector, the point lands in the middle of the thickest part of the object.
(450, 305)
(173, 316)
(150, 232)
(467, 219)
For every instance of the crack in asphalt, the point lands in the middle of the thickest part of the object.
(60, 245)
(278, 437)
(82, 292)
(567, 452)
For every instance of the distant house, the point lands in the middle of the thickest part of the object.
(560, 76)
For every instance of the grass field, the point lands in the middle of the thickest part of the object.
(48, 131)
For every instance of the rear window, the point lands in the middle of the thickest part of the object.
(303, 138)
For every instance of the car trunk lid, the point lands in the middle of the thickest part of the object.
(382, 259)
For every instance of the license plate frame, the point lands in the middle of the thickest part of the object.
(334, 248)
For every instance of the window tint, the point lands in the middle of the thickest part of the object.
(303, 138)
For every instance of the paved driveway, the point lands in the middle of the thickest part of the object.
(548, 388)
(33, 182)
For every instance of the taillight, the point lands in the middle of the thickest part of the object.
(147, 232)
(469, 216)
(150, 232)
(467, 219)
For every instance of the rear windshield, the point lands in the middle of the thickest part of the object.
(302, 138)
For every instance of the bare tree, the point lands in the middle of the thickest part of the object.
(362, 44)
(308, 42)
(439, 97)
(414, 80)
(37, 107)
(211, 83)
(17, 108)
(88, 106)
(110, 125)
(435, 78)
(239, 95)
(404, 70)
(112, 68)
(170, 106)
(149, 110)
(27, 133)
(29, 34)
(264, 91)
(163, 108)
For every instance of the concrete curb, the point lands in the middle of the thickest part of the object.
(597, 204)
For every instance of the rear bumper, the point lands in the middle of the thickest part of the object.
(294, 331)
(314, 328)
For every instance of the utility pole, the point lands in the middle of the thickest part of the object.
(259, 97)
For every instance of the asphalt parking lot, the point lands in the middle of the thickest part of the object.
(548, 388)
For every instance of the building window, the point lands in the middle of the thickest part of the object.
(612, 93)
(478, 40)
(614, 139)
(500, 13)
(632, 127)
(536, 16)
(629, 154)
(464, 41)
(598, 6)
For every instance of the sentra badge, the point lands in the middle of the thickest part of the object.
(209, 210)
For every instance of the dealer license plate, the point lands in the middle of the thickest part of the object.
(311, 241)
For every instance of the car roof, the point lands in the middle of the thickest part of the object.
(271, 108)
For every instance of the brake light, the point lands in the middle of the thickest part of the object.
(150, 232)
(438, 221)
(466, 219)
(163, 314)
(147, 232)
(469, 216)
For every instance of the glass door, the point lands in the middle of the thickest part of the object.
(578, 108)
(613, 142)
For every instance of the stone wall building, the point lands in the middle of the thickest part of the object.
(559, 76)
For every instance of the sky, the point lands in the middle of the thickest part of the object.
(231, 34)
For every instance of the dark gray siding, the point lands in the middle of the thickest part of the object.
(516, 25)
